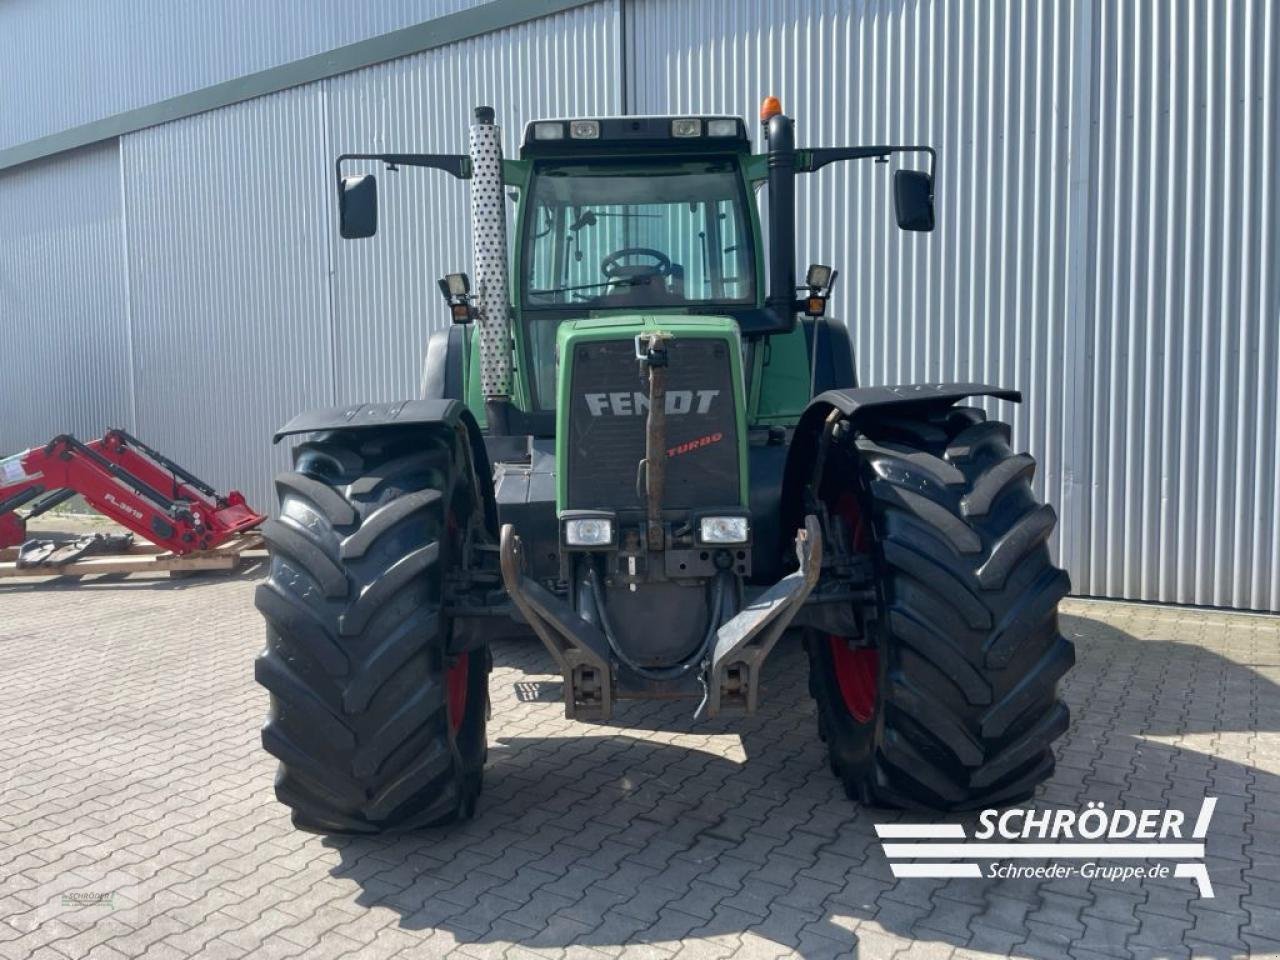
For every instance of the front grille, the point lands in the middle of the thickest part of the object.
(607, 419)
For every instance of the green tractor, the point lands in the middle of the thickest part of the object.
(640, 444)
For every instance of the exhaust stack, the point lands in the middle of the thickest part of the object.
(780, 148)
(489, 246)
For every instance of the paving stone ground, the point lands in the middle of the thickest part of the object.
(137, 816)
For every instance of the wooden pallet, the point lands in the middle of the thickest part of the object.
(145, 558)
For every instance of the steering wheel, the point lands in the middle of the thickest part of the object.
(613, 269)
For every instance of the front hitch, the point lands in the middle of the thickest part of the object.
(581, 649)
(744, 642)
(577, 646)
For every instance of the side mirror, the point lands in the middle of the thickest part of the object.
(358, 206)
(913, 200)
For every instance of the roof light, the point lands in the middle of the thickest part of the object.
(548, 131)
(722, 128)
(686, 127)
(769, 107)
(584, 129)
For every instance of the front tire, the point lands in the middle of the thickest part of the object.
(375, 723)
(949, 702)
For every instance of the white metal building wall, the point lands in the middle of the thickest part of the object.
(228, 235)
(247, 308)
(386, 298)
(64, 335)
(1108, 242)
(68, 62)
(1181, 377)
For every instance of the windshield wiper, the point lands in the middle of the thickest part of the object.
(588, 218)
(620, 282)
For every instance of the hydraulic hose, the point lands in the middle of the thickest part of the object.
(695, 659)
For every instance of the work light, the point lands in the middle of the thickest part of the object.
(723, 530)
(722, 128)
(818, 277)
(686, 127)
(548, 131)
(588, 532)
(584, 129)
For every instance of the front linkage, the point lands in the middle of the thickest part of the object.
(727, 667)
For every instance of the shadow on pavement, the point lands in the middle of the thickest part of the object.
(656, 828)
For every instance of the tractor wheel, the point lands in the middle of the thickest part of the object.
(375, 724)
(950, 701)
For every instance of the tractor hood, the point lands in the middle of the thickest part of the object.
(602, 410)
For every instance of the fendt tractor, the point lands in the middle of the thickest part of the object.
(640, 444)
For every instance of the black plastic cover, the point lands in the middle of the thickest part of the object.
(360, 415)
(608, 417)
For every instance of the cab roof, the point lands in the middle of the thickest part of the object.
(564, 136)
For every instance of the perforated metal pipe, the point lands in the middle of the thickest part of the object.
(489, 239)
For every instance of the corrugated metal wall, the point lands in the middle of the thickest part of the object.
(1109, 235)
(386, 299)
(1109, 242)
(983, 297)
(64, 333)
(229, 263)
(247, 308)
(1182, 374)
(68, 62)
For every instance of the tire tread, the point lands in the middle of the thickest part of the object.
(355, 654)
(971, 653)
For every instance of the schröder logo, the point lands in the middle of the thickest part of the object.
(1074, 844)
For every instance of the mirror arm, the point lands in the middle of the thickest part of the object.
(456, 164)
(816, 158)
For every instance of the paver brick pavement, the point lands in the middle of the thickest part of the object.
(133, 774)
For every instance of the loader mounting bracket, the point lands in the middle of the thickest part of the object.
(745, 641)
(576, 645)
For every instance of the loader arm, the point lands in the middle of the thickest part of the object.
(125, 480)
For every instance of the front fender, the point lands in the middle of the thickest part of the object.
(861, 405)
(453, 415)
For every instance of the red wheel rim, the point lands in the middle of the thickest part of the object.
(847, 509)
(858, 673)
(857, 668)
(456, 691)
(456, 675)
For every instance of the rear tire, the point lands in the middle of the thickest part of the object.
(954, 706)
(375, 724)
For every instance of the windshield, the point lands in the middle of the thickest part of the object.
(661, 235)
(610, 237)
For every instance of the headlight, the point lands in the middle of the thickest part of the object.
(588, 532)
(723, 530)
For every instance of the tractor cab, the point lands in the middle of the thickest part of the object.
(628, 217)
